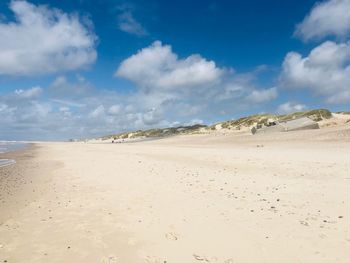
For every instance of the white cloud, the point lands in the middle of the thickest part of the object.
(290, 107)
(128, 24)
(340, 97)
(326, 18)
(114, 109)
(6, 110)
(184, 88)
(232, 90)
(68, 103)
(157, 67)
(101, 112)
(166, 81)
(153, 116)
(62, 87)
(29, 93)
(261, 96)
(325, 71)
(98, 112)
(44, 40)
(194, 122)
(65, 111)
(41, 110)
(169, 91)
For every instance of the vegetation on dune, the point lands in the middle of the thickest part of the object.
(245, 121)
(316, 115)
(151, 133)
(238, 124)
(343, 112)
(263, 119)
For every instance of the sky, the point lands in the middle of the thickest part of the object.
(86, 68)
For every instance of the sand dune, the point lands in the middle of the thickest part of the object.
(197, 198)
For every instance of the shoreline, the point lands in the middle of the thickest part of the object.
(21, 183)
(9, 147)
(11, 181)
(6, 162)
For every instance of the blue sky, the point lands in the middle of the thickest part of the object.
(87, 68)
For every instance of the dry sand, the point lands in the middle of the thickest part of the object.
(201, 198)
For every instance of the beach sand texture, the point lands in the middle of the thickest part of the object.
(198, 198)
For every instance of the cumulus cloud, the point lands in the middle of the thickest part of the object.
(158, 71)
(169, 91)
(187, 87)
(66, 112)
(325, 71)
(115, 109)
(290, 107)
(67, 42)
(21, 108)
(194, 122)
(31, 114)
(330, 17)
(63, 88)
(6, 110)
(29, 93)
(68, 103)
(157, 67)
(261, 96)
(153, 116)
(128, 24)
(98, 112)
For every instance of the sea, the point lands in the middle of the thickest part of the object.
(9, 147)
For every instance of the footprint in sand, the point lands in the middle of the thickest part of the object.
(171, 236)
(131, 242)
(212, 259)
(205, 259)
(200, 258)
(109, 259)
(304, 223)
(152, 259)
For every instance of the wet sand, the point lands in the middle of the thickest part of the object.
(200, 198)
(23, 182)
(6, 162)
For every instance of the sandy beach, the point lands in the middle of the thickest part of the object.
(198, 198)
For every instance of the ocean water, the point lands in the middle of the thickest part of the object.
(9, 147)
